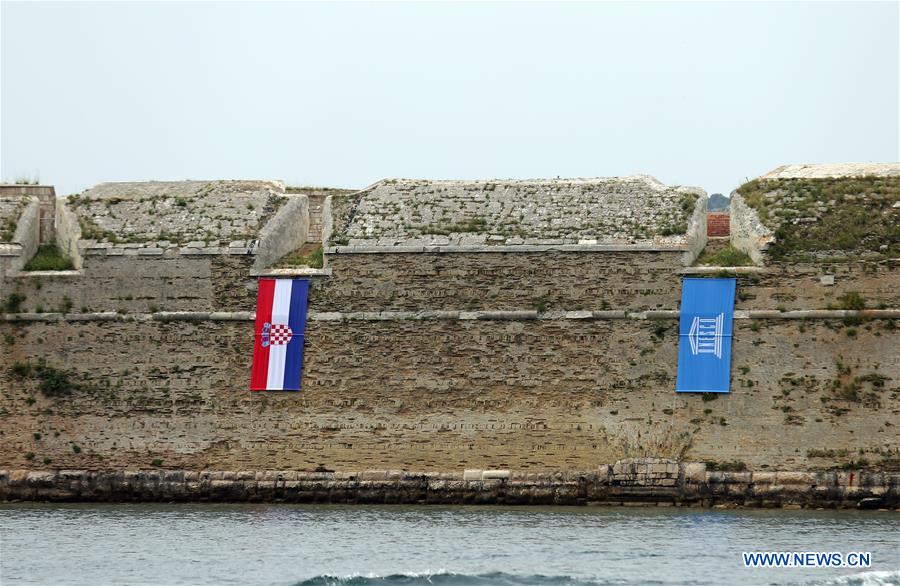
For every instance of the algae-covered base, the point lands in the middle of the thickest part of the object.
(644, 481)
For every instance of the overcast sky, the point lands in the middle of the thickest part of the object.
(344, 94)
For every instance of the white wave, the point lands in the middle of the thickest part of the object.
(880, 578)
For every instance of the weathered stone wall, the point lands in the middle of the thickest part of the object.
(543, 359)
(28, 233)
(521, 280)
(285, 232)
(444, 281)
(68, 233)
(566, 211)
(747, 232)
(137, 283)
(162, 213)
(446, 395)
(19, 231)
(574, 281)
(820, 286)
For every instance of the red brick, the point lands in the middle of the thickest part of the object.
(718, 224)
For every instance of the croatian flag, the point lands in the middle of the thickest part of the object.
(280, 321)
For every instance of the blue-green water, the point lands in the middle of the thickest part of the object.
(451, 546)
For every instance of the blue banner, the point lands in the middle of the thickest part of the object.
(704, 336)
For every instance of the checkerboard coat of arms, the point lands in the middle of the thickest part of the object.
(275, 334)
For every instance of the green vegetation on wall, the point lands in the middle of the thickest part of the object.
(309, 255)
(49, 258)
(726, 257)
(52, 382)
(828, 219)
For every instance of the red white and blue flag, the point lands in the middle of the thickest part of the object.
(280, 322)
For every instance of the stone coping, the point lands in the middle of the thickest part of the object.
(629, 470)
(294, 272)
(478, 248)
(710, 270)
(138, 250)
(10, 249)
(425, 315)
(833, 170)
(44, 274)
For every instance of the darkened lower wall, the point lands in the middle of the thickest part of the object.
(631, 482)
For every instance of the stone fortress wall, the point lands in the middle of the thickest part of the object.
(434, 346)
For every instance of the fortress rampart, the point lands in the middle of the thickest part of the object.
(528, 327)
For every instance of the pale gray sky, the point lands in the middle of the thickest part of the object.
(345, 94)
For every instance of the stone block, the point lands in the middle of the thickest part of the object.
(472, 474)
(581, 314)
(763, 478)
(794, 478)
(695, 472)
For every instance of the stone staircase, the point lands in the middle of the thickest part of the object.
(316, 205)
(715, 244)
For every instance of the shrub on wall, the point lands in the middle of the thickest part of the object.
(52, 382)
(13, 303)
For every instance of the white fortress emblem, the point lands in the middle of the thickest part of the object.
(706, 335)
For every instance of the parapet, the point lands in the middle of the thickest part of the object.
(634, 210)
(12, 206)
(26, 221)
(833, 170)
(170, 213)
(819, 213)
(186, 217)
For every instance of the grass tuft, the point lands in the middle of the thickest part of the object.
(49, 258)
(726, 257)
(305, 256)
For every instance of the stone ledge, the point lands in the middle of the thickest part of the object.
(296, 272)
(639, 481)
(168, 252)
(488, 315)
(132, 317)
(44, 274)
(480, 248)
(717, 270)
(10, 249)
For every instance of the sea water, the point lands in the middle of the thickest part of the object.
(289, 545)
